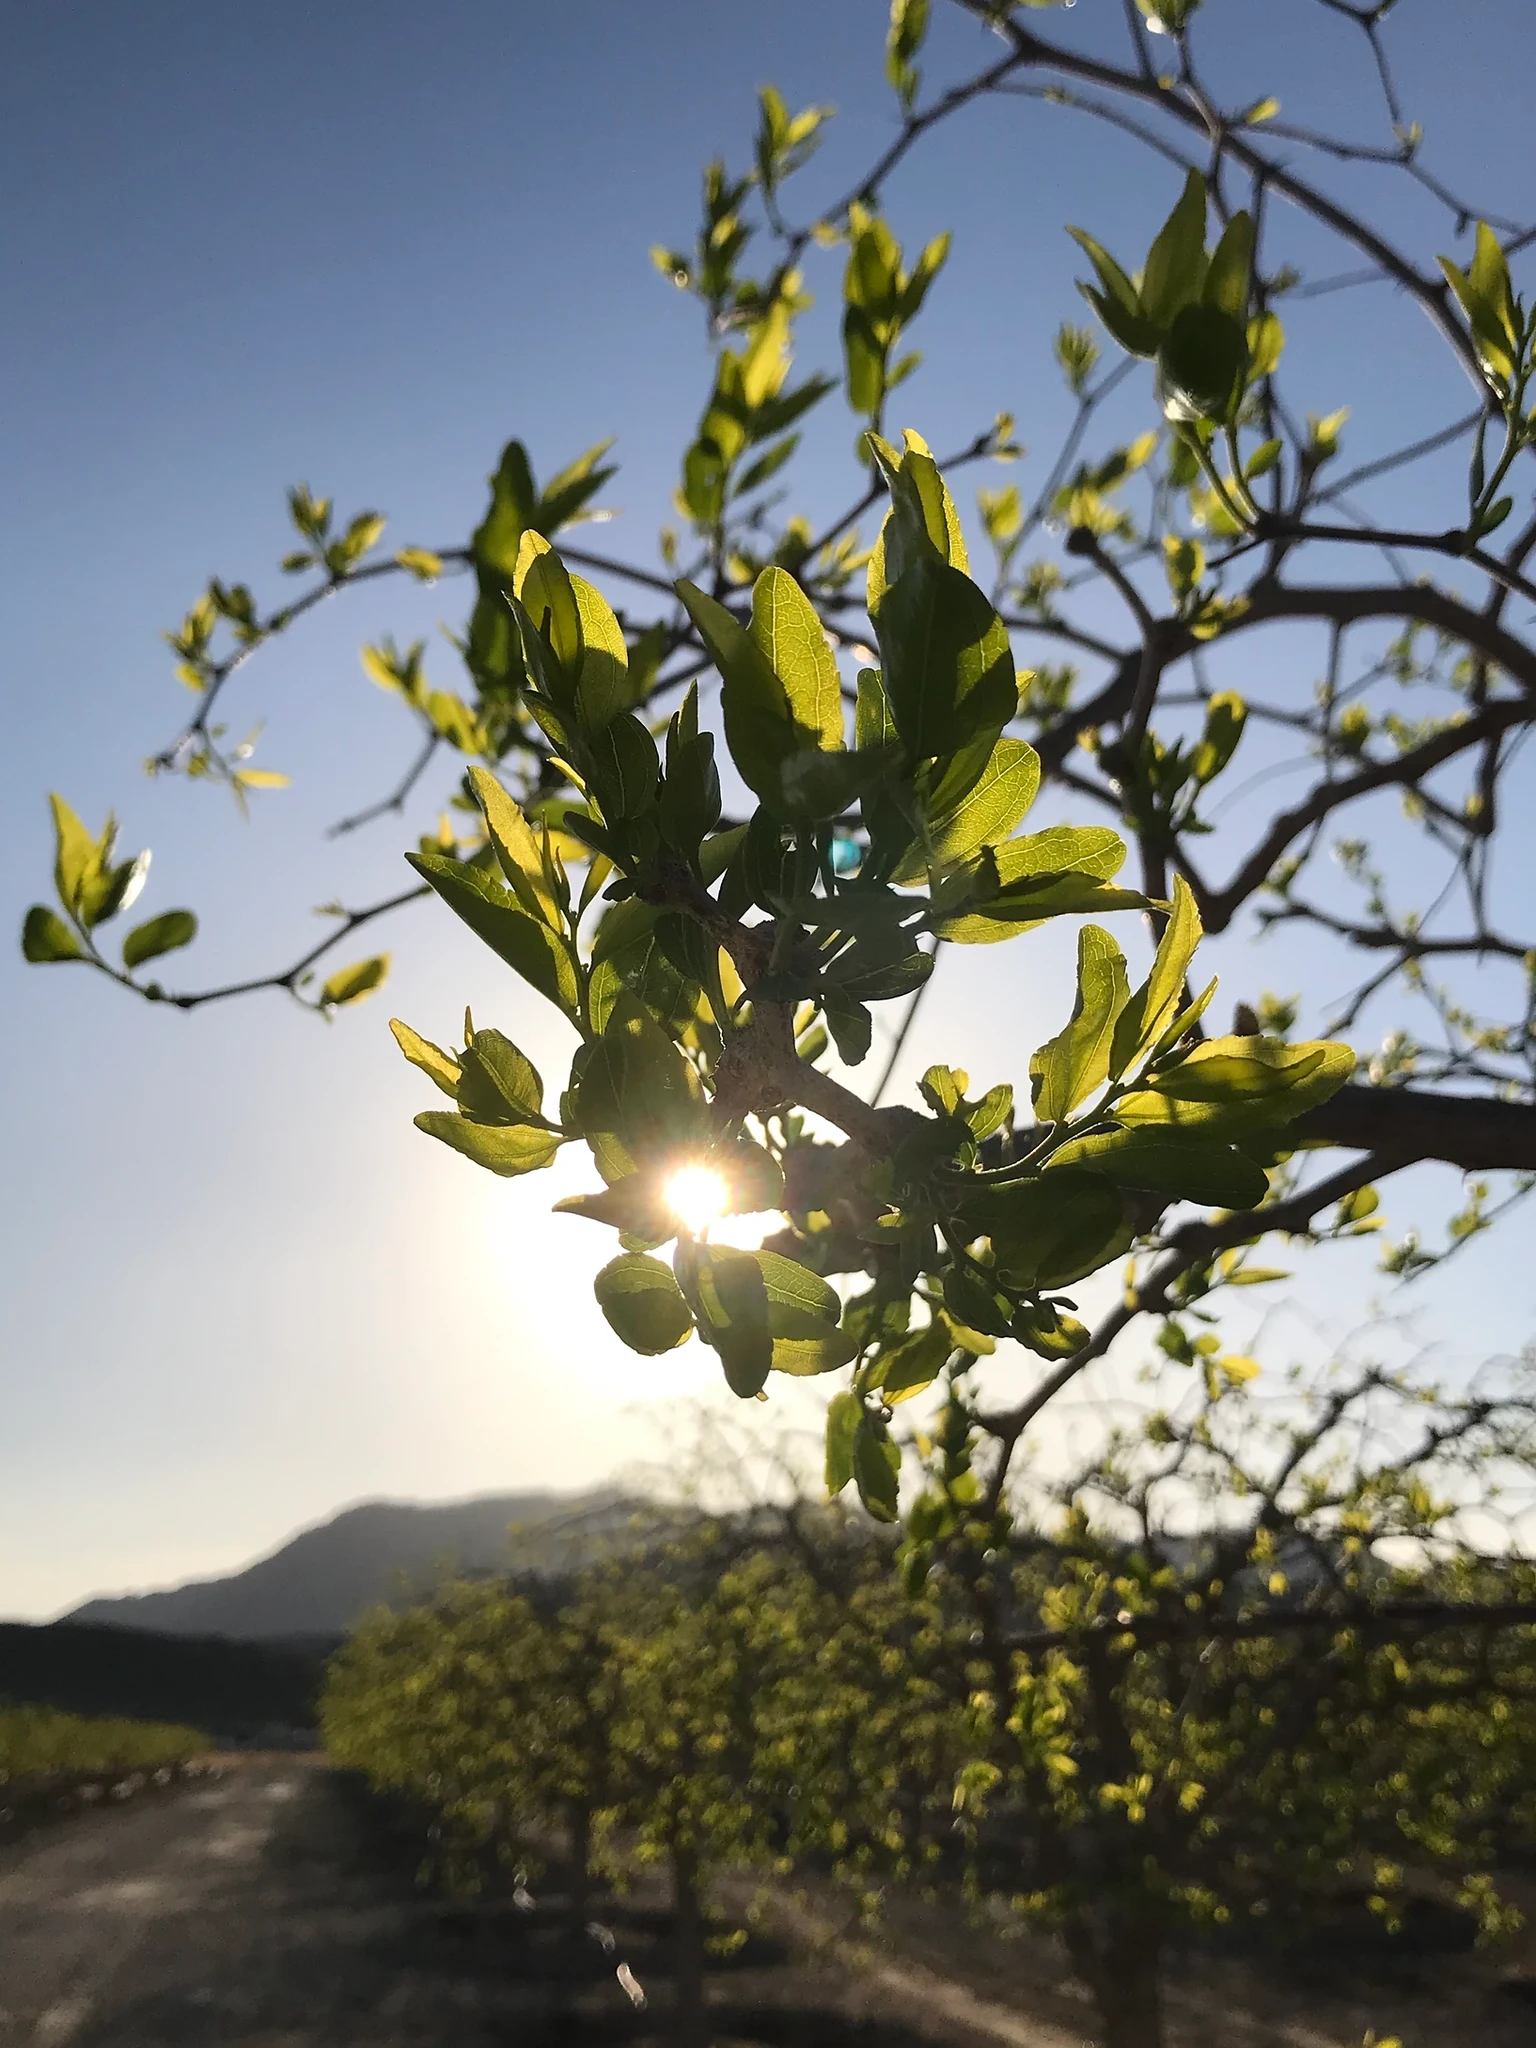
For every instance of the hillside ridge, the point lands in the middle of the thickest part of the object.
(320, 1580)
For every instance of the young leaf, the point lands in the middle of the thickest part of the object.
(637, 1087)
(850, 1024)
(162, 934)
(1069, 1067)
(439, 1066)
(543, 588)
(947, 663)
(993, 806)
(643, 1304)
(46, 937)
(844, 1413)
(789, 634)
(1118, 303)
(1202, 366)
(527, 945)
(1170, 1163)
(1145, 1015)
(876, 1467)
(760, 727)
(505, 1149)
(1226, 282)
(498, 1084)
(1176, 264)
(76, 853)
(603, 687)
(351, 984)
(518, 850)
(725, 1290)
(1052, 1231)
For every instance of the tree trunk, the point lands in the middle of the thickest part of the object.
(691, 2012)
(579, 1825)
(1118, 1954)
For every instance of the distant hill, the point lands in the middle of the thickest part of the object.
(319, 1582)
(236, 1692)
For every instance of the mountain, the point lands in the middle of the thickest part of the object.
(320, 1581)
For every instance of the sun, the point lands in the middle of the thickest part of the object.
(698, 1197)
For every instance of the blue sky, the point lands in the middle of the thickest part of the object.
(363, 247)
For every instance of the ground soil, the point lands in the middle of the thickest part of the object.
(276, 1906)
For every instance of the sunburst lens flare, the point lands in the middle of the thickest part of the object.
(697, 1197)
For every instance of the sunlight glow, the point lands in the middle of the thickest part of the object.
(697, 1196)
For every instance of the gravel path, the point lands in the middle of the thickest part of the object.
(271, 1907)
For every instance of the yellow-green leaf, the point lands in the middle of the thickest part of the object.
(438, 1065)
(1070, 1066)
(643, 1304)
(351, 984)
(505, 1149)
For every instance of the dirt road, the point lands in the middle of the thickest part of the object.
(272, 1908)
(275, 1907)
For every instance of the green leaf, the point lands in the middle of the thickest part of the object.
(524, 942)
(497, 1083)
(1229, 1086)
(1118, 303)
(637, 1087)
(437, 1065)
(1266, 343)
(907, 1368)
(633, 1205)
(816, 1350)
(790, 636)
(922, 524)
(1060, 871)
(844, 1412)
(850, 1024)
(1202, 366)
(1045, 1331)
(997, 802)
(977, 1306)
(505, 1149)
(1226, 282)
(725, 1290)
(603, 688)
(518, 848)
(1170, 1163)
(813, 785)
(1487, 299)
(1176, 264)
(46, 937)
(351, 984)
(1073, 1064)
(496, 540)
(625, 768)
(947, 665)
(1052, 1231)
(643, 1304)
(76, 854)
(544, 590)
(162, 934)
(108, 890)
(878, 981)
(1225, 716)
(760, 727)
(789, 1285)
(876, 1468)
(1153, 1004)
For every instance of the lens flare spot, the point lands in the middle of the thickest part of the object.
(697, 1197)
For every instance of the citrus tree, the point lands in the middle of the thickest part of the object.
(1261, 1654)
(715, 924)
(709, 1705)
